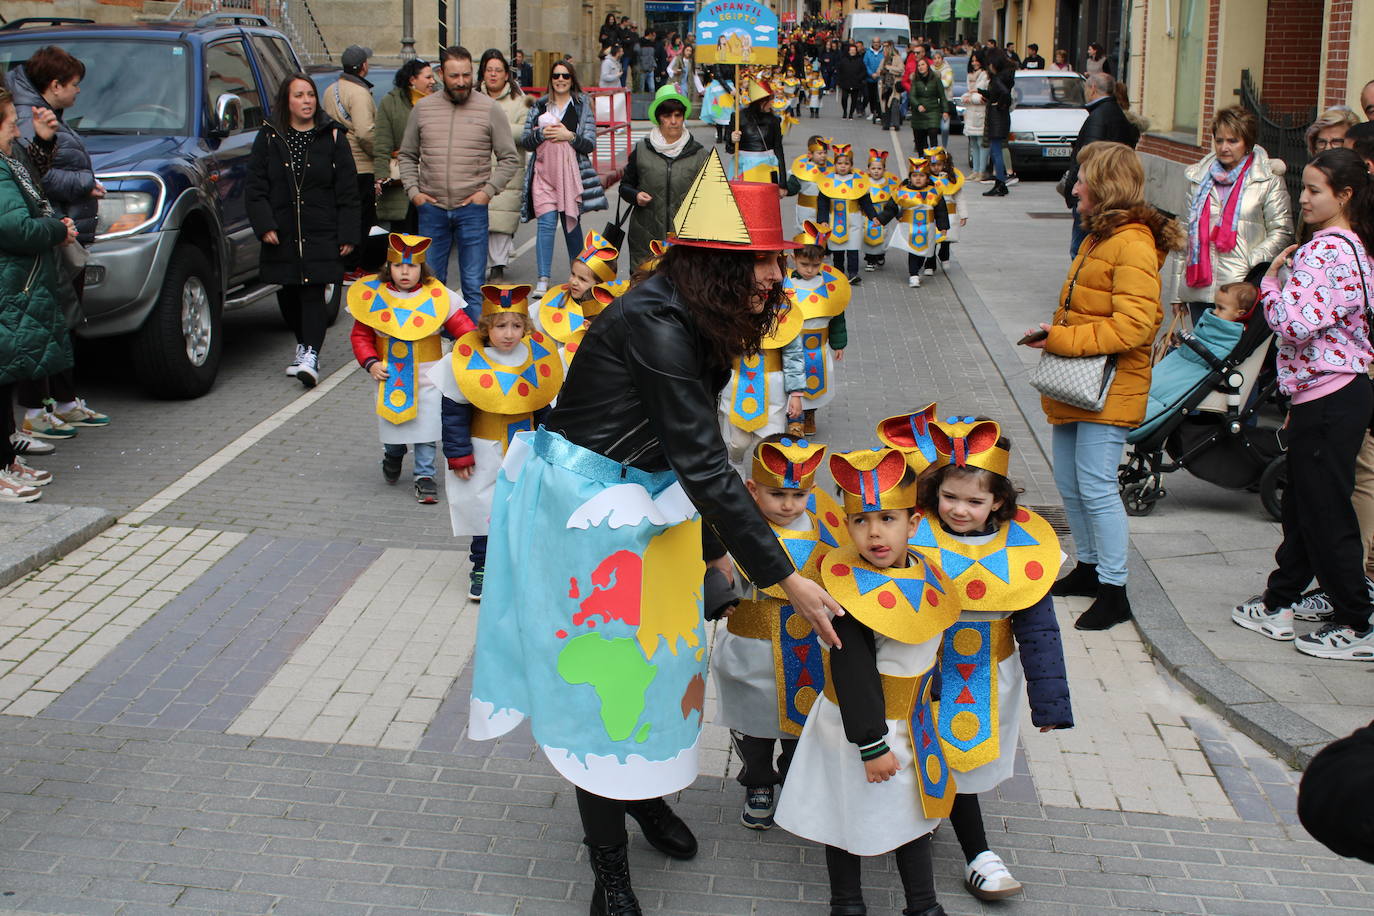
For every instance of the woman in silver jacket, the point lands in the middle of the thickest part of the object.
(1239, 212)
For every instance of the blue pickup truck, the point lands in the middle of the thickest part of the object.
(169, 112)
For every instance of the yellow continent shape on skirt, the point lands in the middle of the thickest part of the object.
(500, 389)
(911, 604)
(412, 317)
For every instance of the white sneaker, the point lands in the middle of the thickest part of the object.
(24, 444)
(914, 281)
(929, 271)
(1254, 615)
(1336, 640)
(987, 877)
(308, 372)
(19, 472)
(1313, 606)
(11, 492)
(295, 366)
(542, 286)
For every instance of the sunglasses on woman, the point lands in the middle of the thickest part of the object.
(561, 76)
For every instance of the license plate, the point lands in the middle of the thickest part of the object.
(1057, 152)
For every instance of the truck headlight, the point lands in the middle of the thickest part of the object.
(125, 211)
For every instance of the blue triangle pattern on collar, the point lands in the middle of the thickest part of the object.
(800, 550)
(477, 360)
(823, 532)
(402, 315)
(537, 350)
(954, 564)
(997, 564)
(912, 589)
(531, 374)
(1019, 537)
(506, 379)
(924, 537)
(867, 580)
(427, 308)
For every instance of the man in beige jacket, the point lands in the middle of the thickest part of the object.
(349, 101)
(446, 167)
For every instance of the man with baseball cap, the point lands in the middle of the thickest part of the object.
(349, 101)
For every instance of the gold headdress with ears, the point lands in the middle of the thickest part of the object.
(873, 479)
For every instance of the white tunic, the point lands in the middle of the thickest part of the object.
(469, 501)
(827, 797)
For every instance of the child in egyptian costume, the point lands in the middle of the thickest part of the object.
(498, 380)
(1005, 647)
(821, 293)
(760, 135)
(950, 181)
(767, 662)
(815, 89)
(881, 184)
(869, 776)
(805, 172)
(765, 391)
(568, 309)
(844, 204)
(397, 316)
(919, 208)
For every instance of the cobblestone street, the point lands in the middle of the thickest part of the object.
(249, 694)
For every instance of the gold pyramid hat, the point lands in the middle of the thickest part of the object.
(729, 215)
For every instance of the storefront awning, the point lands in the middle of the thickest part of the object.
(670, 6)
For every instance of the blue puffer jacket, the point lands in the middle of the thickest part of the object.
(1042, 656)
(70, 179)
(457, 429)
(581, 120)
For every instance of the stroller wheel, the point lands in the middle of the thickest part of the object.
(1272, 484)
(1140, 497)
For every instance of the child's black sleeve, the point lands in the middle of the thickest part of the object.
(858, 687)
(942, 215)
(822, 209)
(1042, 656)
(457, 429)
(793, 185)
(866, 205)
(889, 212)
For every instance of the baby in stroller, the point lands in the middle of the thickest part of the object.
(1178, 373)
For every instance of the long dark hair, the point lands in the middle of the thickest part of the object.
(575, 90)
(1343, 169)
(281, 105)
(489, 55)
(718, 286)
(408, 71)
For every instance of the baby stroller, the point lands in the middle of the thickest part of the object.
(1212, 430)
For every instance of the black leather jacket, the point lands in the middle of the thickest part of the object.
(643, 391)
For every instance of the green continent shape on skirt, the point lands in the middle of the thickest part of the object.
(618, 672)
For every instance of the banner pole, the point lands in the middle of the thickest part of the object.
(738, 89)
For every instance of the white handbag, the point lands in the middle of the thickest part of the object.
(1078, 381)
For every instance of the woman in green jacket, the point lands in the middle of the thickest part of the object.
(927, 105)
(33, 331)
(659, 173)
(414, 81)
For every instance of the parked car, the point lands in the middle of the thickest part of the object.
(960, 67)
(1048, 109)
(169, 112)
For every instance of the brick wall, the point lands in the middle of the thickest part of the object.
(1209, 66)
(1293, 46)
(1171, 150)
(1337, 49)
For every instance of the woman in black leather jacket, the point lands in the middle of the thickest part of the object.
(758, 133)
(636, 414)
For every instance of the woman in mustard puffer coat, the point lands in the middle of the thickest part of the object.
(1109, 304)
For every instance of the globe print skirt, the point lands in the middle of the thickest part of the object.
(591, 621)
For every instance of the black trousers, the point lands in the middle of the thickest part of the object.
(914, 863)
(756, 755)
(852, 101)
(6, 446)
(923, 137)
(915, 263)
(847, 261)
(367, 195)
(966, 817)
(944, 248)
(603, 819)
(60, 386)
(303, 309)
(1321, 536)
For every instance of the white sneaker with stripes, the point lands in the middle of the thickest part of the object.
(987, 877)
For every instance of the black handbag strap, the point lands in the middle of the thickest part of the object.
(1073, 281)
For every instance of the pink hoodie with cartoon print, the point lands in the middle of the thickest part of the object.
(1320, 316)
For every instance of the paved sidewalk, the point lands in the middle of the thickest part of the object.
(251, 694)
(1208, 548)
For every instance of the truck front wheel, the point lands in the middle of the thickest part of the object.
(177, 351)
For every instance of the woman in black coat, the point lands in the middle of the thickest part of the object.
(302, 198)
(997, 124)
(852, 76)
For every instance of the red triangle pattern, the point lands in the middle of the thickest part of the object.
(964, 697)
(966, 670)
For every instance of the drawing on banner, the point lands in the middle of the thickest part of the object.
(736, 32)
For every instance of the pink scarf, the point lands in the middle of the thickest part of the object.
(1199, 272)
(557, 178)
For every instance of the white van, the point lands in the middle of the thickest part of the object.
(864, 27)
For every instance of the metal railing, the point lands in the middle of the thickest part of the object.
(293, 18)
(1283, 136)
(615, 137)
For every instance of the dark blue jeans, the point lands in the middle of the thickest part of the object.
(467, 228)
(477, 552)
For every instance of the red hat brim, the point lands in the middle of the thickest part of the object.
(759, 206)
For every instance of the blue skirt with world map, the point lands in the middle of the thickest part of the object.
(591, 622)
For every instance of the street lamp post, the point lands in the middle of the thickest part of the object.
(407, 29)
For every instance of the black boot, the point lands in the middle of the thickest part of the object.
(998, 189)
(846, 883)
(664, 830)
(1110, 608)
(612, 895)
(936, 910)
(1081, 581)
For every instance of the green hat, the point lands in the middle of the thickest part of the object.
(666, 93)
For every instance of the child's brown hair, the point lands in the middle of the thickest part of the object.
(485, 323)
(1246, 294)
(810, 253)
(999, 487)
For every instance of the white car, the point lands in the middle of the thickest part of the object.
(1046, 115)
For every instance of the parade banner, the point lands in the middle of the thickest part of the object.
(736, 32)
